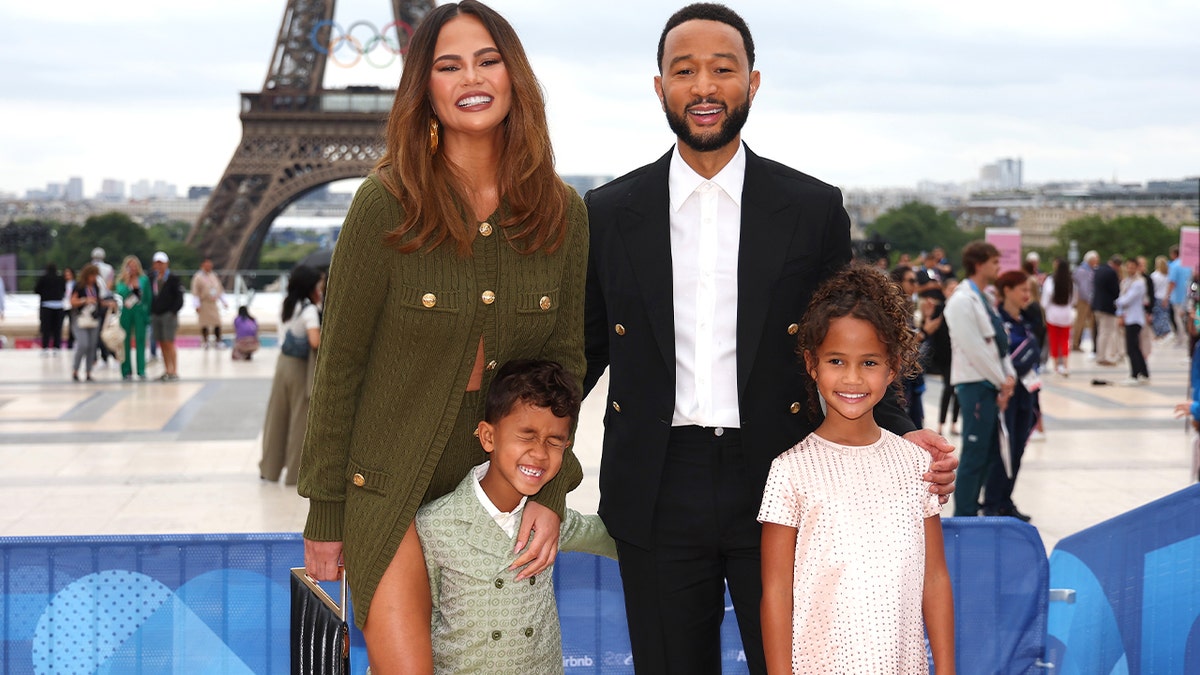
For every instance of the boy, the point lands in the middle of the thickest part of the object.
(483, 620)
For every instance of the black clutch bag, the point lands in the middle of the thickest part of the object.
(320, 634)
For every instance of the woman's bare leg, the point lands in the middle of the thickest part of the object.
(397, 628)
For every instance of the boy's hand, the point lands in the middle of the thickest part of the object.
(540, 553)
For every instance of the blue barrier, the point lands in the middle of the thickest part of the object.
(1136, 605)
(197, 604)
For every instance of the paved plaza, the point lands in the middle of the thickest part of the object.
(115, 457)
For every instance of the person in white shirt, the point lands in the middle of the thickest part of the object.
(980, 370)
(1131, 308)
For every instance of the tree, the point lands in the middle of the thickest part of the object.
(1128, 236)
(916, 226)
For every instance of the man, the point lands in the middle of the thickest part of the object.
(207, 291)
(167, 300)
(980, 370)
(701, 266)
(1179, 280)
(1084, 278)
(1106, 287)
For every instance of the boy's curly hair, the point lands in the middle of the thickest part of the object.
(544, 384)
(866, 293)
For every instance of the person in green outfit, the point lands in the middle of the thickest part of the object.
(134, 288)
(461, 251)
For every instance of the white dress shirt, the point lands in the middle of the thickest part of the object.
(706, 220)
(507, 520)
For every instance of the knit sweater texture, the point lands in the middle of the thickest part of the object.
(399, 340)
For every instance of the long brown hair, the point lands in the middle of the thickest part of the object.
(428, 187)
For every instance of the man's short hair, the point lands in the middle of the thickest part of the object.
(1116, 259)
(977, 253)
(544, 384)
(708, 11)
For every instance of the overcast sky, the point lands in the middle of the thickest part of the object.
(861, 93)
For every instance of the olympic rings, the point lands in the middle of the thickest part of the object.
(396, 45)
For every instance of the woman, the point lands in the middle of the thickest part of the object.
(463, 250)
(287, 409)
(1015, 295)
(940, 358)
(69, 287)
(1131, 307)
(1058, 299)
(1161, 316)
(52, 289)
(134, 288)
(88, 302)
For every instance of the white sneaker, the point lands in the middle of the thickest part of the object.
(1143, 379)
(1061, 370)
(1090, 356)
(1129, 382)
(1037, 436)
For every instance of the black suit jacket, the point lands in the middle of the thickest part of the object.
(794, 234)
(1106, 289)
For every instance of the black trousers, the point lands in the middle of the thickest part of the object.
(51, 323)
(1133, 348)
(706, 533)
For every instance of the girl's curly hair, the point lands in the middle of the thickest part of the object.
(866, 293)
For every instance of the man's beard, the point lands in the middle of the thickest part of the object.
(715, 140)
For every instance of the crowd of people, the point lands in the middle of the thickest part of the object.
(115, 315)
(994, 338)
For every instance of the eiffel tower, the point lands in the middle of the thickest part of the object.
(296, 135)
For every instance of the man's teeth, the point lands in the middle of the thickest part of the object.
(705, 112)
(474, 100)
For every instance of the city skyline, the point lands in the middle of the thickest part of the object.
(864, 94)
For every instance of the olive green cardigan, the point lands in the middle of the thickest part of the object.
(399, 339)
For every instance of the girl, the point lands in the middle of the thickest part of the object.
(1058, 299)
(852, 552)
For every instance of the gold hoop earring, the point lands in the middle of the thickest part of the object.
(433, 136)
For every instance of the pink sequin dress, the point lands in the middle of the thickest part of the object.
(860, 552)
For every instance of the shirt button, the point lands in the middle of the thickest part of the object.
(794, 407)
(528, 632)
(719, 431)
(485, 229)
(532, 580)
(544, 303)
(491, 365)
(488, 297)
(359, 480)
(495, 635)
(620, 330)
(429, 299)
(499, 583)
(793, 329)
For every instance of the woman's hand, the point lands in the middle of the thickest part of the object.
(322, 559)
(538, 548)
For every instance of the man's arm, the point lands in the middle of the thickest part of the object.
(595, 312)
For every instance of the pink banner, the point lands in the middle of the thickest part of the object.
(1189, 246)
(1008, 240)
